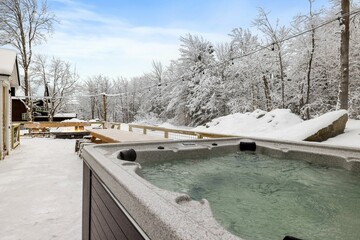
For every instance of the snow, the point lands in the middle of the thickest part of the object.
(305, 129)
(169, 125)
(281, 124)
(94, 120)
(7, 61)
(350, 137)
(41, 191)
(256, 123)
(73, 120)
(41, 180)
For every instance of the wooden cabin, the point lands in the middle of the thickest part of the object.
(40, 114)
(9, 80)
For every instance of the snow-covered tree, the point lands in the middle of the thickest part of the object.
(24, 24)
(275, 35)
(58, 79)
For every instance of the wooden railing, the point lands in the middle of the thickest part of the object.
(167, 131)
(43, 127)
(56, 124)
(145, 129)
(15, 135)
(111, 125)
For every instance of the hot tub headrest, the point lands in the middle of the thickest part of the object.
(291, 238)
(248, 146)
(128, 155)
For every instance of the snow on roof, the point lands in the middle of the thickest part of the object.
(9, 66)
(73, 120)
(66, 115)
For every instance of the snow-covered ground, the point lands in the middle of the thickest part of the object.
(41, 181)
(282, 124)
(351, 136)
(41, 191)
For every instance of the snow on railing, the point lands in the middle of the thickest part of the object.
(169, 133)
(173, 133)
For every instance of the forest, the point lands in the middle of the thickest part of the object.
(295, 67)
(269, 66)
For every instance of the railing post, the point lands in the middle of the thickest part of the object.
(144, 130)
(166, 134)
(199, 136)
(130, 128)
(12, 137)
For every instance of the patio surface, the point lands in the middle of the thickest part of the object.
(41, 191)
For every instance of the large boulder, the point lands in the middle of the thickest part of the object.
(318, 129)
(335, 128)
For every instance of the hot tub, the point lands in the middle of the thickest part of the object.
(125, 199)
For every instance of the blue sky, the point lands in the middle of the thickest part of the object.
(121, 38)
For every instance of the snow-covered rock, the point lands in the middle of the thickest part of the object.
(318, 129)
(333, 129)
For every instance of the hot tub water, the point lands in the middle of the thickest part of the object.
(259, 197)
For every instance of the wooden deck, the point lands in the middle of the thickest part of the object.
(116, 136)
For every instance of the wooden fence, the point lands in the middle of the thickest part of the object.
(175, 133)
(145, 129)
(43, 127)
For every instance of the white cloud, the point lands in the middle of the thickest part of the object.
(107, 45)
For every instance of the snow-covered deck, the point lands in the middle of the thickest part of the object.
(41, 186)
(41, 191)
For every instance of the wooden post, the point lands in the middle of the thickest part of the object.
(166, 134)
(104, 107)
(144, 130)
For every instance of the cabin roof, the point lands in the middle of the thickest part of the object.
(9, 66)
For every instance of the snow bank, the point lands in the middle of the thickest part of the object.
(350, 137)
(278, 124)
(305, 129)
(94, 120)
(256, 123)
(73, 120)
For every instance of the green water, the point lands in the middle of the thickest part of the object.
(259, 197)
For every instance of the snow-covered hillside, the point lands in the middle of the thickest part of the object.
(281, 124)
(257, 123)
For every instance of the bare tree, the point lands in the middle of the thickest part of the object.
(158, 71)
(58, 79)
(24, 24)
(344, 55)
(276, 34)
(311, 57)
(96, 87)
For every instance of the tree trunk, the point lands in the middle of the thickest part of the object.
(28, 101)
(282, 79)
(92, 107)
(267, 94)
(51, 111)
(104, 107)
(51, 117)
(344, 55)
(254, 104)
(308, 76)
